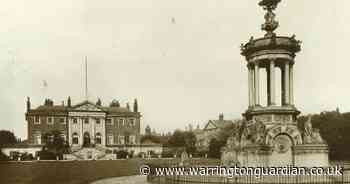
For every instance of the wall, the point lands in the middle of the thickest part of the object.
(31, 150)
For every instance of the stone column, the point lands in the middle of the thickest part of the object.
(256, 82)
(283, 101)
(252, 81)
(291, 85)
(69, 134)
(286, 83)
(93, 130)
(81, 136)
(103, 136)
(272, 83)
(249, 86)
(268, 88)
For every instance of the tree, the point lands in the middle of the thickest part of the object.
(184, 139)
(177, 139)
(6, 138)
(215, 148)
(190, 142)
(153, 138)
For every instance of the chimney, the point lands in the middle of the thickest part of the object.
(99, 102)
(69, 103)
(221, 117)
(28, 104)
(135, 106)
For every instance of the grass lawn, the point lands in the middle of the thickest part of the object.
(65, 172)
(75, 172)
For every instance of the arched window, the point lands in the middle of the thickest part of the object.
(98, 138)
(75, 138)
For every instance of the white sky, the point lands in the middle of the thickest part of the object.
(183, 72)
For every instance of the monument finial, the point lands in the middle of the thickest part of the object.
(270, 24)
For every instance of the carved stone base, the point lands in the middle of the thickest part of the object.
(311, 155)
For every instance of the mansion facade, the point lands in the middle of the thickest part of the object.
(85, 124)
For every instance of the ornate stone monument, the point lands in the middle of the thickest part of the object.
(269, 135)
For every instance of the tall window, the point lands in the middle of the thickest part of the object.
(132, 139)
(98, 138)
(109, 121)
(86, 120)
(121, 139)
(121, 122)
(110, 139)
(37, 138)
(75, 138)
(75, 120)
(36, 120)
(62, 121)
(64, 137)
(49, 120)
(98, 121)
(132, 122)
(50, 138)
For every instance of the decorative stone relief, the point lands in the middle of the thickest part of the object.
(283, 118)
(311, 135)
(264, 118)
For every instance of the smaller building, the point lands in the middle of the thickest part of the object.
(211, 130)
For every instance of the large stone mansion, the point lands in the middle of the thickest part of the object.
(85, 124)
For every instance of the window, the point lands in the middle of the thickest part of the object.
(109, 121)
(132, 122)
(75, 138)
(36, 120)
(64, 137)
(75, 120)
(50, 138)
(132, 139)
(86, 120)
(110, 139)
(98, 121)
(121, 122)
(49, 120)
(98, 138)
(62, 120)
(37, 138)
(121, 139)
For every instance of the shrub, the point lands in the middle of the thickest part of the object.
(47, 155)
(121, 154)
(139, 155)
(27, 156)
(3, 157)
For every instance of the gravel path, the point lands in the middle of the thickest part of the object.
(123, 180)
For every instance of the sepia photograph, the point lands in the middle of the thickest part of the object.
(174, 92)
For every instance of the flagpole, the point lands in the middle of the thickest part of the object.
(86, 79)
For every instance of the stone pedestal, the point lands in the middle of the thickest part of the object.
(311, 155)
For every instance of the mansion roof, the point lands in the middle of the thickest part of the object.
(85, 106)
